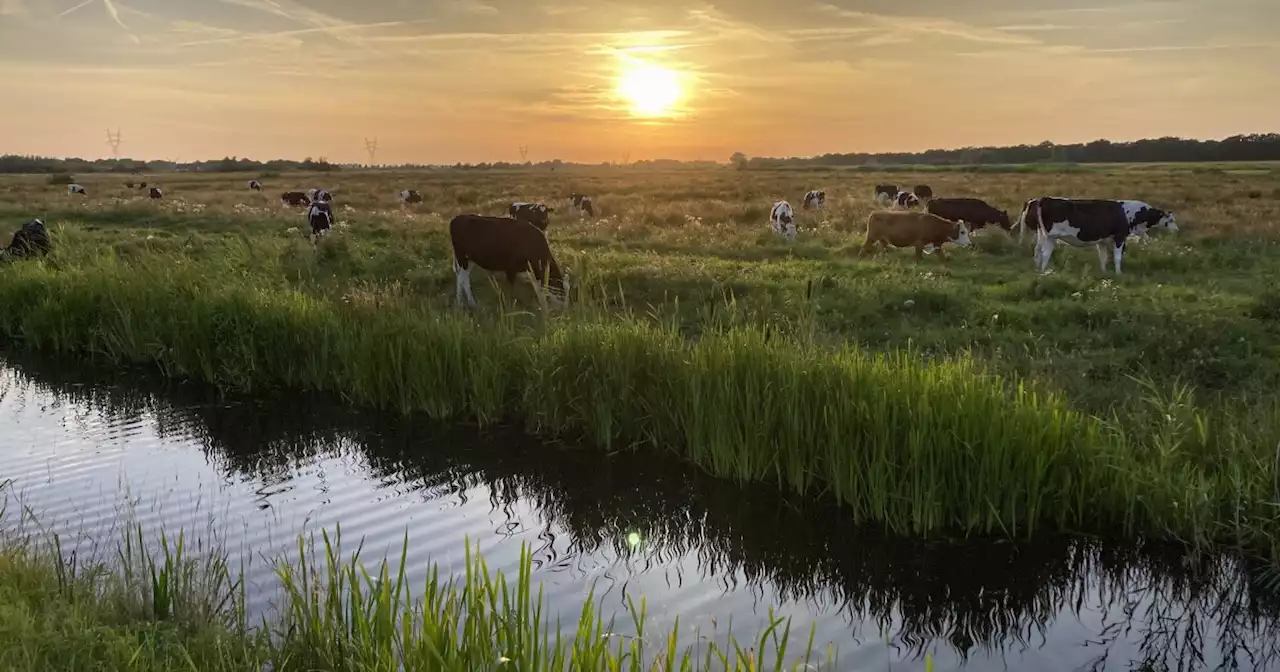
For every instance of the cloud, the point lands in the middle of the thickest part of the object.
(74, 8)
(115, 16)
(12, 8)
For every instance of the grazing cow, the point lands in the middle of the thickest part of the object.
(30, 240)
(920, 230)
(155, 193)
(922, 192)
(814, 199)
(321, 195)
(503, 245)
(975, 212)
(782, 220)
(410, 196)
(295, 198)
(905, 200)
(255, 185)
(76, 189)
(886, 193)
(533, 213)
(142, 185)
(583, 205)
(1089, 222)
(320, 217)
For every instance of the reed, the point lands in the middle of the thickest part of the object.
(188, 613)
(918, 444)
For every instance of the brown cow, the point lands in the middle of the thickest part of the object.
(503, 245)
(920, 230)
(922, 192)
(975, 212)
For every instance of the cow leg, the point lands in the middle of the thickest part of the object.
(1118, 252)
(1044, 252)
(462, 282)
(1102, 255)
(920, 252)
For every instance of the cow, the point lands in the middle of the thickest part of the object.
(922, 192)
(75, 189)
(255, 185)
(886, 193)
(920, 230)
(128, 185)
(814, 199)
(142, 185)
(503, 245)
(321, 195)
(905, 200)
(975, 212)
(155, 193)
(30, 240)
(583, 205)
(410, 196)
(782, 220)
(1089, 222)
(320, 217)
(533, 213)
(295, 198)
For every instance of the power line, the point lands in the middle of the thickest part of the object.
(371, 146)
(524, 153)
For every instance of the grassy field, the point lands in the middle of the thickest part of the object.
(1144, 401)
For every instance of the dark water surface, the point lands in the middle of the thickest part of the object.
(88, 449)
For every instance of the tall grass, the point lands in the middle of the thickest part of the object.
(58, 612)
(919, 445)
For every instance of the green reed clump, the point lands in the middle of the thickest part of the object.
(155, 606)
(920, 445)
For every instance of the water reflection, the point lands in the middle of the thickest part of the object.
(1086, 602)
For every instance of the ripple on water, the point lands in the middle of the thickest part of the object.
(90, 449)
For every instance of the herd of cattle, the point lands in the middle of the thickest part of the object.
(517, 243)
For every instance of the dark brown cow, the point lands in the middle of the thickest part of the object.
(975, 212)
(922, 192)
(502, 245)
(920, 230)
(155, 193)
(886, 193)
(295, 198)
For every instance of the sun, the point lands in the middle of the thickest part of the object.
(652, 90)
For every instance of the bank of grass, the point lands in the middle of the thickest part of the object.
(919, 445)
(152, 605)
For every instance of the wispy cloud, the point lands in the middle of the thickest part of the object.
(115, 16)
(276, 35)
(12, 8)
(74, 8)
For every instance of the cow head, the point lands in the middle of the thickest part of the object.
(1003, 220)
(960, 234)
(1167, 221)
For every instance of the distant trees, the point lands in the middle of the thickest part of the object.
(1251, 147)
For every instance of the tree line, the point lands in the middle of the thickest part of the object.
(1251, 147)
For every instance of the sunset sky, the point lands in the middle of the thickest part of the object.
(470, 80)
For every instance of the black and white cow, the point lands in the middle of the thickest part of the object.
(782, 220)
(155, 193)
(321, 195)
(76, 189)
(536, 214)
(1098, 223)
(255, 185)
(320, 217)
(583, 205)
(410, 196)
(905, 200)
(885, 194)
(814, 199)
(31, 240)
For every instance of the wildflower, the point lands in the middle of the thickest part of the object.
(1076, 295)
(909, 303)
(503, 660)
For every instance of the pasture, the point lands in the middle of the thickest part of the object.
(1168, 371)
